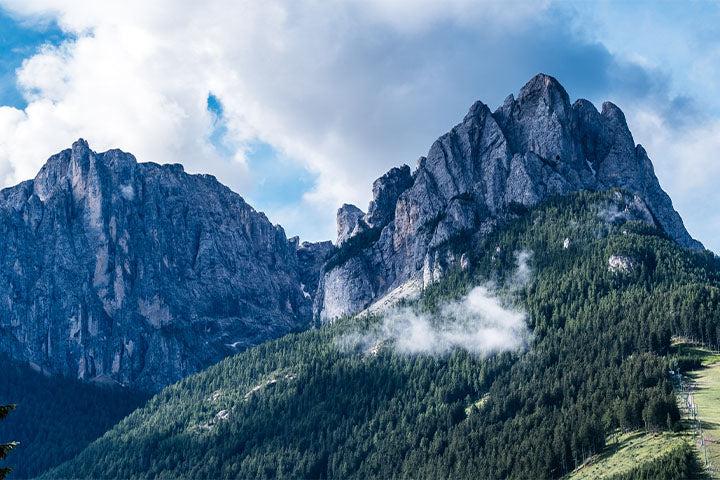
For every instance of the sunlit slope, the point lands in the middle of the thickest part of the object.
(639, 454)
(307, 406)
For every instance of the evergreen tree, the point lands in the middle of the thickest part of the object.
(5, 447)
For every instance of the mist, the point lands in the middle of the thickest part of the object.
(481, 323)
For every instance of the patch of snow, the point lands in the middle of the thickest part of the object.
(304, 292)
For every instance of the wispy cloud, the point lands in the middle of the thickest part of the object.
(482, 323)
(479, 323)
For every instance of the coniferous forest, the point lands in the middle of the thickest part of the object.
(597, 362)
(55, 418)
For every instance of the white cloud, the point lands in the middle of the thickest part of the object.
(345, 88)
(317, 80)
(479, 324)
(686, 163)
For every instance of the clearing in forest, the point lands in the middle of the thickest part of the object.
(704, 393)
(628, 452)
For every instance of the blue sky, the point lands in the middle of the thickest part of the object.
(19, 39)
(299, 105)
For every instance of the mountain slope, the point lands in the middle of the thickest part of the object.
(476, 177)
(139, 274)
(55, 417)
(607, 291)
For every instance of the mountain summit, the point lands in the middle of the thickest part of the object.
(475, 178)
(140, 274)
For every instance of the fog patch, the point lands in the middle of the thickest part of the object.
(613, 215)
(523, 272)
(479, 323)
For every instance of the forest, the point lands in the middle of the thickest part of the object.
(55, 418)
(304, 406)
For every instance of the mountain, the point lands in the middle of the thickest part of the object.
(483, 172)
(603, 292)
(540, 227)
(139, 274)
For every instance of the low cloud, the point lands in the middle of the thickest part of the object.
(523, 272)
(480, 323)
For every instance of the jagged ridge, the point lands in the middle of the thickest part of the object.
(476, 177)
(118, 271)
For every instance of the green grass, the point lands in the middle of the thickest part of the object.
(707, 399)
(628, 452)
(685, 348)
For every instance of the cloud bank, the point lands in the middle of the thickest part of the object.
(343, 90)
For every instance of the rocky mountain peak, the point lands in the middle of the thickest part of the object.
(386, 191)
(141, 273)
(474, 177)
(349, 222)
(545, 96)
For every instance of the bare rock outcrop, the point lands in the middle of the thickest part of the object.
(138, 273)
(484, 171)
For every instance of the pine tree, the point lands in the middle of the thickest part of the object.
(5, 447)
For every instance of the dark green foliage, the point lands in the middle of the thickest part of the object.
(598, 361)
(5, 448)
(353, 247)
(55, 418)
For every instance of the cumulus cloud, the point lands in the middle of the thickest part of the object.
(345, 89)
(479, 323)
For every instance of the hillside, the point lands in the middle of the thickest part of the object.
(603, 293)
(56, 417)
(643, 455)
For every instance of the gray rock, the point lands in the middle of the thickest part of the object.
(386, 191)
(349, 222)
(482, 173)
(311, 258)
(141, 273)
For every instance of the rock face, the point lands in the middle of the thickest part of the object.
(349, 222)
(477, 176)
(113, 270)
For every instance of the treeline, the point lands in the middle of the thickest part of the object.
(303, 406)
